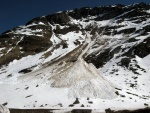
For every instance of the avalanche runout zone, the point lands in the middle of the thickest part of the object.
(82, 79)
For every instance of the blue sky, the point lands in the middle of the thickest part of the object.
(17, 12)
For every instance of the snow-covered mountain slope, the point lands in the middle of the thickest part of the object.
(98, 56)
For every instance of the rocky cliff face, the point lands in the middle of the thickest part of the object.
(115, 39)
(34, 37)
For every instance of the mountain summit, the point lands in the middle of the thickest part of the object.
(98, 56)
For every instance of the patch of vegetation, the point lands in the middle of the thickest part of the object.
(4, 104)
(71, 105)
(76, 101)
(27, 70)
(10, 75)
(29, 96)
(82, 105)
(90, 102)
(26, 88)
